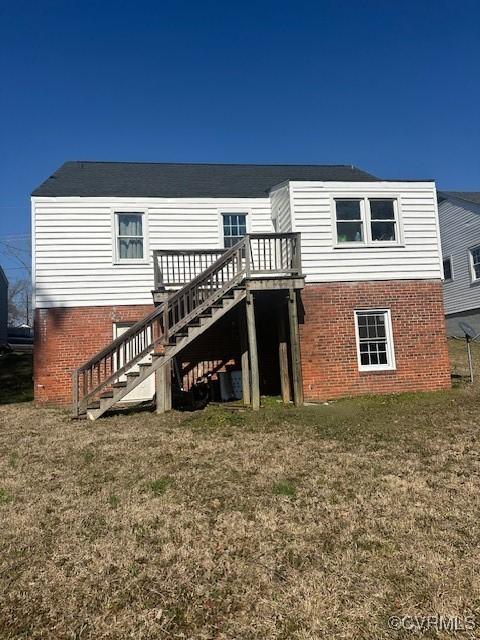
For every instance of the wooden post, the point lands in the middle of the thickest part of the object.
(244, 358)
(283, 356)
(295, 349)
(160, 389)
(75, 394)
(163, 387)
(252, 344)
(168, 385)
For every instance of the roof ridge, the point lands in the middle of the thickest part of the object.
(213, 164)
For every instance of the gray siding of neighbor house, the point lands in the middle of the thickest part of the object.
(459, 231)
(3, 307)
(452, 322)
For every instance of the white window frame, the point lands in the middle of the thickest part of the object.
(239, 211)
(366, 219)
(391, 365)
(115, 234)
(473, 276)
(450, 259)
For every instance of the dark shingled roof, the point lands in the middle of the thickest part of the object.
(469, 196)
(139, 179)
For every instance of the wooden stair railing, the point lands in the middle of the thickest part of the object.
(155, 329)
(255, 254)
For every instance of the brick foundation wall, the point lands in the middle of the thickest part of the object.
(328, 344)
(67, 337)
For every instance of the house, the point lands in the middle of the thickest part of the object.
(459, 214)
(315, 282)
(3, 308)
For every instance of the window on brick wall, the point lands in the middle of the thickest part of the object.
(373, 330)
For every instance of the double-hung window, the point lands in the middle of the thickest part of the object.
(130, 239)
(349, 221)
(383, 222)
(475, 263)
(374, 340)
(366, 221)
(234, 228)
(447, 269)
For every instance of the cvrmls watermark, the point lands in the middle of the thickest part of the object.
(436, 622)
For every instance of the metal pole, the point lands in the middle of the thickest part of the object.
(470, 363)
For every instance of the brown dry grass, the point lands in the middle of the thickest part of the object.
(301, 524)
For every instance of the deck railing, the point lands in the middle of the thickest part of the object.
(264, 254)
(175, 268)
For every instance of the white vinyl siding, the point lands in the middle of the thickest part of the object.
(74, 261)
(74, 238)
(416, 257)
(281, 214)
(460, 231)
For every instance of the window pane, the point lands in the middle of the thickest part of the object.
(475, 253)
(382, 210)
(348, 209)
(130, 224)
(447, 269)
(130, 249)
(349, 232)
(231, 240)
(383, 231)
(372, 339)
(234, 228)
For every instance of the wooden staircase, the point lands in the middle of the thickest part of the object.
(150, 344)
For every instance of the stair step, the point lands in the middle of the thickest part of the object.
(106, 394)
(119, 385)
(145, 364)
(133, 374)
(94, 405)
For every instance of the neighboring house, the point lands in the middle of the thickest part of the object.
(21, 337)
(459, 213)
(3, 307)
(315, 281)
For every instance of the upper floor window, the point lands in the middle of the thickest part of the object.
(349, 221)
(130, 236)
(234, 228)
(366, 221)
(374, 340)
(447, 269)
(383, 220)
(475, 262)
